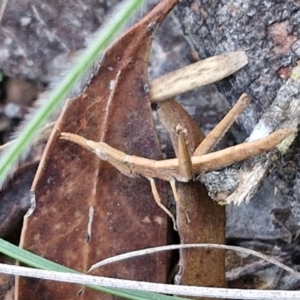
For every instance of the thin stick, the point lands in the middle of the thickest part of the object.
(153, 250)
(151, 287)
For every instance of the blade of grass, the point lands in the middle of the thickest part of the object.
(43, 113)
(38, 262)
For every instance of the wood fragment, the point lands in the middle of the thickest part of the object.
(198, 74)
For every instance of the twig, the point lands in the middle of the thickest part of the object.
(184, 246)
(151, 287)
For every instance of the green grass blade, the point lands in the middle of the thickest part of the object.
(38, 262)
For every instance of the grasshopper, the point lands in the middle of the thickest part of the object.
(185, 167)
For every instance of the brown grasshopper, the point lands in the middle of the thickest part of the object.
(185, 167)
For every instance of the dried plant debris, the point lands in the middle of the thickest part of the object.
(246, 271)
(288, 179)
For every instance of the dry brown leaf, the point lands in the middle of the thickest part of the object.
(87, 210)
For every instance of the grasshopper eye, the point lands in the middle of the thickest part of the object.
(155, 106)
